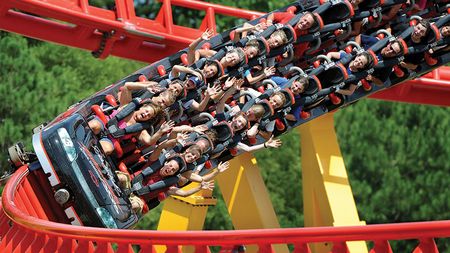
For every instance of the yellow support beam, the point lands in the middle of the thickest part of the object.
(185, 213)
(246, 197)
(327, 195)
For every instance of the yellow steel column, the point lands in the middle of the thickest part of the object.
(185, 213)
(246, 197)
(327, 195)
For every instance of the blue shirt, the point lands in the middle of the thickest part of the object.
(368, 41)
(282, 83)
(344, 57)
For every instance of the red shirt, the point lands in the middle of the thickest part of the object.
(299, 49)
(155, 177)
(283, 18)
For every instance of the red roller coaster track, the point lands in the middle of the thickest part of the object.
(25, 227)
(27, 233)
(77, 24)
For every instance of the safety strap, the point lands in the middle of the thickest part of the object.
(117, 132)
(442, 21)
(309, 100)
(140, 190)
(126, 110)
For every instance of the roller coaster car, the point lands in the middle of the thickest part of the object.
(82, 178)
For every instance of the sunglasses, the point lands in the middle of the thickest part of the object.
(389, 46)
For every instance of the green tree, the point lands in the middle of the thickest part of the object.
(39, 80)
(397, 158)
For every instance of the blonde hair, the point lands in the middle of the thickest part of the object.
(282, 97)
(171, 97)
(253, 43)
(282, 35)
(194, 149)
(156, 108)
(212, 134)
(258, 111)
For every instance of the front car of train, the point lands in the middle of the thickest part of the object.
(82, 178)
(79, 172)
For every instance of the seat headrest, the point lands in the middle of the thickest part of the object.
(290, 33)
(219, 66)
(313, 46)
(312, 86)
(268, 109)
(314, 82)
(224, 131)
(206, 138)
(334, 74)
(343, 70)
(404, 45)
(290, 98)
(245, 61)
(181, 162)
(370, 4)
(350, 8)
(341, 11)
(263, 46)
(434, 34)
(374, 57)
(318, 23)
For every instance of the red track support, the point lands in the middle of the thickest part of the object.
(76, 23)
(381, 247)
(339, 247)
(432, 89)
(32, 233)
(426, 245)
(301, 248)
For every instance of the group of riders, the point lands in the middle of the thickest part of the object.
(233, 92)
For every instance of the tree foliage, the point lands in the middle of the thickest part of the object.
(39, 80)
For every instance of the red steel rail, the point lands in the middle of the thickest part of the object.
(22, 229)
(116, 32)
(431, 89)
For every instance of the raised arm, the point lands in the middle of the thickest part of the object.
(375, 80)
(141, 85)
(168, 144)
(141, 190)
(232, 85)
(220, 168)
(334, 55)
(270, 19)
(247, 28)
(271, 143)
(268, 71)
(191, 50)
(184, 193)
(210, 91)
(125, 93)
(147, 139)
(177, 69)
(187, 129)
(392, 12)
(348, 91)
(208, 177)
(408, 65)
(203, 53)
